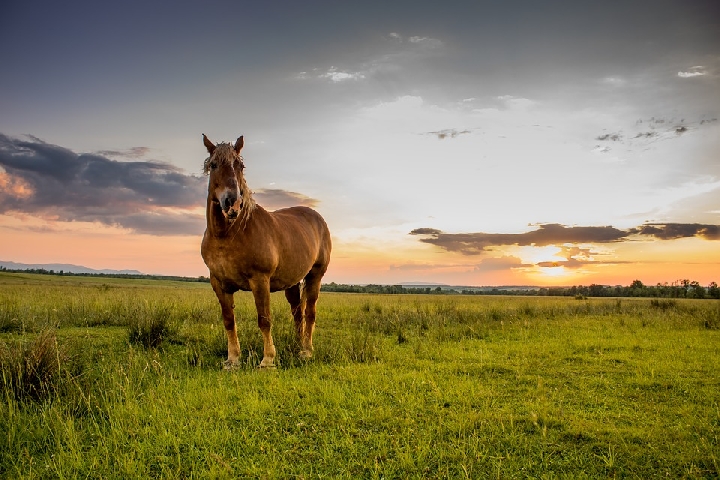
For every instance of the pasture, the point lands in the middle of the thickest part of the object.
(107, 378)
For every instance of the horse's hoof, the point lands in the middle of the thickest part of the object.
(267, 365)
(229, 365)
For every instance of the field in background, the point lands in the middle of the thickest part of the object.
(121, 378)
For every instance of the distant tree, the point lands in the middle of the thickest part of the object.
(696, 290)
(637, 289)
(713, 290)
(685, 286)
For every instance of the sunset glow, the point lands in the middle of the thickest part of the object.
(463, 146)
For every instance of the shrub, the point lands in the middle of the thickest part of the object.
(31, 370)
(663, 304)
(712, 319)
(152, 328)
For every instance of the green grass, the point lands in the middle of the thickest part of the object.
(399, 387)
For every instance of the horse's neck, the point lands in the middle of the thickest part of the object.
(217, 224)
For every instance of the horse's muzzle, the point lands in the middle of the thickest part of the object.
(227, 202)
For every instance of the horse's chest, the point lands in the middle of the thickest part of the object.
(231, 266)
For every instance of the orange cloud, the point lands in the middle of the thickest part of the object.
(14, 187)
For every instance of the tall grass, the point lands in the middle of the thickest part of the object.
(31, 368)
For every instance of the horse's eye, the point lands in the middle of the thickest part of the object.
(213, 165)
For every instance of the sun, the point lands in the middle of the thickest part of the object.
(554, 272)
(534, 255)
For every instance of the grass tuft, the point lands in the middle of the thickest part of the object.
(712, 319)
(151, 329)
(663, 303)
(31, 370)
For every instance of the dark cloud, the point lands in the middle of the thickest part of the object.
(149, 197)
(615, 137)
(671, 231)
(53, 182)
(556, 234)
(426, 231)
(548, 234)
(134, 152)
(273, 198)
(448, 133)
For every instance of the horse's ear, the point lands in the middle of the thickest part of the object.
(239, 144)
(208, 144)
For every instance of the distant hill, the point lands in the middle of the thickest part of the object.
(65, 267)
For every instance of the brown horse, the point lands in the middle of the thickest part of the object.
(248, 248)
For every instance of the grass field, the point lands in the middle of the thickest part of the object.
(106, 378)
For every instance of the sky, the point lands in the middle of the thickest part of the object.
(462, 142)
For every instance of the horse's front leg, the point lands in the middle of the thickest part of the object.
(261, 292)
(227, 306)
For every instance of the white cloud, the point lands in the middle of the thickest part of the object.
(516, 103)
(614, 81)
(696, 71)
(396, 58)
(336, 75)
(691, 74)
(426, 41)
(332, 74)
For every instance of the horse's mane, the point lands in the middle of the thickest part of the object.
(225, 154)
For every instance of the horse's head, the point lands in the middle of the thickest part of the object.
(227, 187)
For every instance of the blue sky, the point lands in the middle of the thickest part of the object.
(482, 118)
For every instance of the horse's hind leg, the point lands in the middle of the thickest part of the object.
(311, 292)
(227, 306)
(296, 307)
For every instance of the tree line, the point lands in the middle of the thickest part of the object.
(684, 288)
(679, 289)
(134, 276)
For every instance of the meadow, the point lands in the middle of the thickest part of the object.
(107, 378)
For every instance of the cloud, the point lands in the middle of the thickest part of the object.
(556, 234)
(56, 184)
(548, 234)
(426, 41)
(577, 257)
(274, 198)
(672, 231)
(397, 55)
(516, 103)
(614, 81)
(333, 74)
(426, 231)
(134, 152)
(696, 71)
(448, 132)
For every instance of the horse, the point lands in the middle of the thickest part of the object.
(247, 248)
